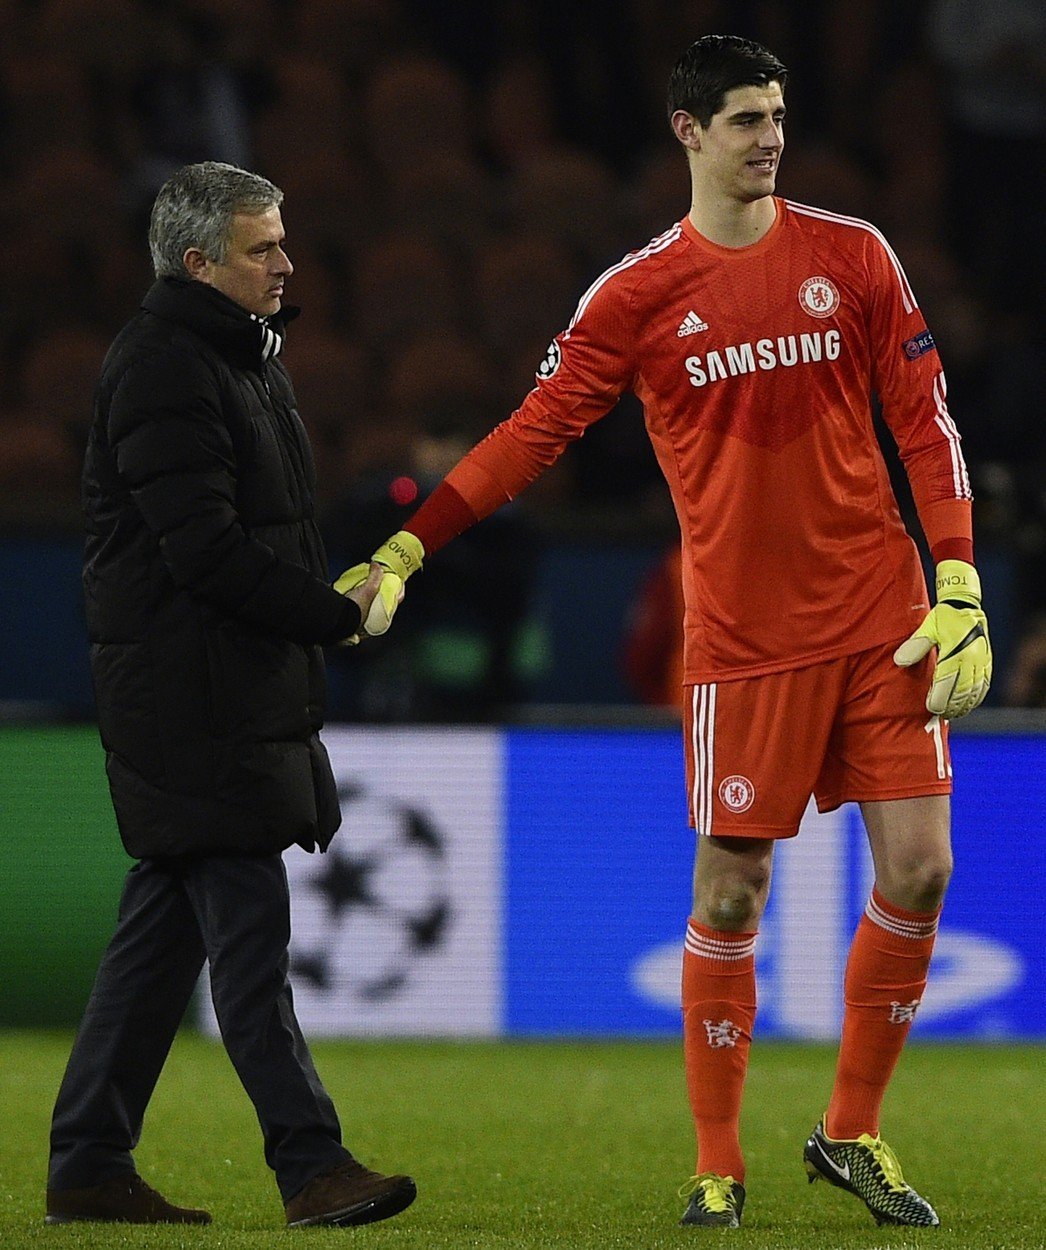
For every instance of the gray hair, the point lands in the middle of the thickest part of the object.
(195, 208)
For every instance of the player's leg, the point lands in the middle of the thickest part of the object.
(911, 845)
(751, 764)
(891, 748)
(885, 977)
(889, 957)
(731, 885)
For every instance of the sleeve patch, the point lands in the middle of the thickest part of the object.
(919, 346)
(552, 361)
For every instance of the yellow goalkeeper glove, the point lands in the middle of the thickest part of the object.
(383, 606)
(958, 628)
(400, 556)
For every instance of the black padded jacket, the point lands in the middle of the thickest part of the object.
(206, 587)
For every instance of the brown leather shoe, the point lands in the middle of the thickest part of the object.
(350, 1194)
(124, 1199)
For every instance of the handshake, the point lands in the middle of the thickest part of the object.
(400, 556)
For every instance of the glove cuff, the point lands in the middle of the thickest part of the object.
(402, 554)
(957, 582)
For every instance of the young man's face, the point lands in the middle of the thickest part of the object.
(255, 264)
(741, 148)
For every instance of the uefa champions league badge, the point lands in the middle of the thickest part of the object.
(919, 345)
(819, 297)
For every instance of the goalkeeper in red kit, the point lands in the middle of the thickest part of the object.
(755, 332)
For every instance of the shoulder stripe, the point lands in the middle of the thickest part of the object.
(633, 258)
(822, 214)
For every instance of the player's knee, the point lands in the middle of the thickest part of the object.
(736, 907)
(924, 883)
(733, 913)
(931, 884)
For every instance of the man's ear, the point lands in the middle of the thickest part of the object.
(196, 264)
(686, 129)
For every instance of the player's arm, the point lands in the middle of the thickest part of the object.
(911, 385)
(584, 372)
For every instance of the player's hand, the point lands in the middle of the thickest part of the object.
(958, 628)
(398, 558)
(378, 594)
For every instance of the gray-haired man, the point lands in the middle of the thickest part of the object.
(207, 605)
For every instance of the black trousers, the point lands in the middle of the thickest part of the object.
(235, 911)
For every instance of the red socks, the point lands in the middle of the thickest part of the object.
(718, 1014)
(885, 978)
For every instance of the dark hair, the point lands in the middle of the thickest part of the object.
(714, 65)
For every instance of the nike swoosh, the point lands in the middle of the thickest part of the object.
(843, 1171)
(971, 637)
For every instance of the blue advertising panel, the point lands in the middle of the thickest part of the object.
(598, 874)
(995, 898)
(597, 892)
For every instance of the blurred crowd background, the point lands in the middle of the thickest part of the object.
(456, 174)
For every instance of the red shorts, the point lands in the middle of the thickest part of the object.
(849, 730)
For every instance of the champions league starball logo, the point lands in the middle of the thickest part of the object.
(378, 900)
(551, 363)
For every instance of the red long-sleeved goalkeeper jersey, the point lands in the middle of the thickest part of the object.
(755, 367)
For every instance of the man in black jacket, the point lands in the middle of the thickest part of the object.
(207, 606)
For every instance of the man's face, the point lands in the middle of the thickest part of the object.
(741, 148)
(255, 264)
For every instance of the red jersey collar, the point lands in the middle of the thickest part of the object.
(737, 253)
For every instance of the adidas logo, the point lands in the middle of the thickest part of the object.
(692, 324)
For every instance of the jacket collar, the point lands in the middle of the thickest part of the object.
(245, 341)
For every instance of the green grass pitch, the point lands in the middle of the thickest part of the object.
(549, 1145)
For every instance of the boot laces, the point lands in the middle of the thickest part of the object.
(718, 1190)
(887, 1161)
